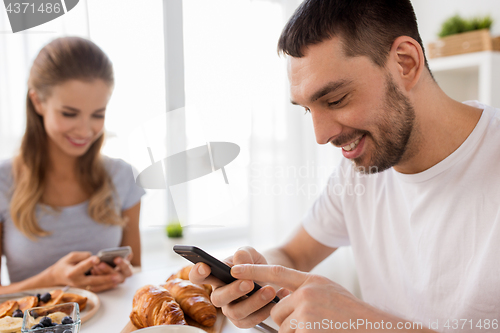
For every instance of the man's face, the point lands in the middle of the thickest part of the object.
(354, 105)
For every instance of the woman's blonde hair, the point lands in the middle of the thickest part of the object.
(68, 58)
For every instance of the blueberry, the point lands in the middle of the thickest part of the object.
(34, 314)
(18, 314)
(46, 322)
(38, 296)
(37, 326)
(45, 297)
(67, 320)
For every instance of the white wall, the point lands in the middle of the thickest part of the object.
(432, 13)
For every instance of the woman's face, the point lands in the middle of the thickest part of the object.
(73, 114)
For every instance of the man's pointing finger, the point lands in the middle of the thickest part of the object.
(274, 274)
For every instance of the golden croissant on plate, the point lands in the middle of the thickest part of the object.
(153, 306)
(183, 274)
(194, 300)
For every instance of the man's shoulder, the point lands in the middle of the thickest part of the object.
(491, 113)
(487, 147)
(494, 124)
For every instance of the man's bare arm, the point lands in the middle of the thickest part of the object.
(300, 252)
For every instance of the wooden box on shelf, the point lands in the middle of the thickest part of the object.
(466, 42)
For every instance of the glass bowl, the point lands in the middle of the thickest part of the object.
(56, 313)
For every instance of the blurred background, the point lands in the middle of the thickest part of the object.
(190, 72)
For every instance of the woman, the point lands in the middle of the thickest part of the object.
(60, 199)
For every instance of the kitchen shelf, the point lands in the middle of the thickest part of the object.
(469, 76)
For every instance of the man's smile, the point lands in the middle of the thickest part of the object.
(353, 144)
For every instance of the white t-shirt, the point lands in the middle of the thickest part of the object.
(426, 245)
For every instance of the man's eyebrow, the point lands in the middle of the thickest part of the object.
(77, 110)
(328, 88)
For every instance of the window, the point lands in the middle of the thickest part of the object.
(233, 78)
(131, 33)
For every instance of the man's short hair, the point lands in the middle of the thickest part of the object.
(365, 27)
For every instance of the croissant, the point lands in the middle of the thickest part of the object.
(183, 273)
(194, 300)
(153, 306)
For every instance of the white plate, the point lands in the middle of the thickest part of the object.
(93, 302)
(172, 329)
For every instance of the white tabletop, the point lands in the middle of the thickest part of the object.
(116, 304)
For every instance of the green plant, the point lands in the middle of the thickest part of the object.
(456, 24)
(174, 229)
(478, 23)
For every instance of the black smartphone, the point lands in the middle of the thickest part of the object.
(219, 269)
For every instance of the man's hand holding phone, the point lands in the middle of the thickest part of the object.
(243, 311)
(314, 298)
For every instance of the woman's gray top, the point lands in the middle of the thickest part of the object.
(71, 228)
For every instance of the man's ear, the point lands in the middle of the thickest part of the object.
(36, 102)
(409, 59)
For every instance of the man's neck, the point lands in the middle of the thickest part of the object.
(441, 126)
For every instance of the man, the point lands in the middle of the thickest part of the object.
(425, 231)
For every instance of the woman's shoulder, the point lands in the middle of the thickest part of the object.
(5, 166)
(120, 171)
(123, 177)
(115, 165)
(6, 182)
(5, 172)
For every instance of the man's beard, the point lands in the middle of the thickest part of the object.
(394, 129)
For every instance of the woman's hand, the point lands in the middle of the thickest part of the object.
(123, 268)
(70, 270)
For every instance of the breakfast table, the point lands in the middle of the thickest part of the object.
(116, 304)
